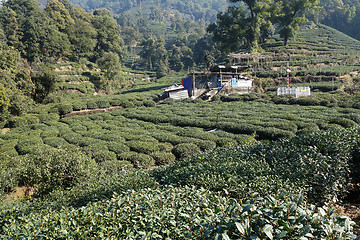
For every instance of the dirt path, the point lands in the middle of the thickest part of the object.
(5, 130)
(351, 207)
(91, 111)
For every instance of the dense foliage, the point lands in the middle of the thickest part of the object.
(177, 213)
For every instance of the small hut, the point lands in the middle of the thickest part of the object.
(220, 78)
(175, 92)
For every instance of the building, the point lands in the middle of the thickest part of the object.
(220, 79)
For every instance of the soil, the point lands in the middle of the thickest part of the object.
(20, 192)
(5, 130)
(351, 206)
(91, 111)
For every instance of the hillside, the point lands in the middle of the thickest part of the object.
(87, 150)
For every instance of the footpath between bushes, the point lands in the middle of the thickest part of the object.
(91, 111)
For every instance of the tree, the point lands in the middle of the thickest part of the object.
(290, 14)
(108, 33)
(154, 53)
(4, 102)
(59, 14)
(258, 12)
(11, 28)
(156, 14)
(230, 31)
(110, 64)
(209, 59)
(44, 78)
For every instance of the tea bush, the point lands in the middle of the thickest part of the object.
(163, 158)
(143, 147)
(141, 160)
(51, 169)
(184, 150)
(178, 213)
(55, 142)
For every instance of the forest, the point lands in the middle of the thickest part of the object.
(89, 150)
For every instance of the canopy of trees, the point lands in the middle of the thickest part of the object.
(244, 26)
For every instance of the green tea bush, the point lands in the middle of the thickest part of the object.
(344, 122)
(51, 169)
(103, 156)
(28, 145)
(305, 101)
(16, 121)
(79, 105)
(271, 133)
(31, 119)
(221, 142)
(184, 150)
(231, 168)
(117, 147)
(143, 147)
(126, 156)
(112, 167)
(141, 160)
(64, 108)
(163, 158)
(102, 103)
(205, 145)
(55, 142)
(179, 213)
(46, 117)
(165, 147)
(91, 104)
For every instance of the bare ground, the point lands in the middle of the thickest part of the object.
(91, 111)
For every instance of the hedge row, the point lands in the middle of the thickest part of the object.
(177, 213)
(316, 164)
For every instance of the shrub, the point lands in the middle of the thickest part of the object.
(205, 145)
(64, 108)
(143, 147)
(103, 156)
(344, 122)
(306, 101)
(222, 142)
(79, 105)
(55, 142)
(271, 133)
(31, 119)
(138, 213)
(102, 103)
(165, 147)
(28, 145)
(163, 158)
(48, 170)
(15, 122)
(117, 147)
(115, 166)
(184, 150)
(141, 160)
(126, 156)
(91, 104)
(46, 117)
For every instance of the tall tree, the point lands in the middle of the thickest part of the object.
(258, 12)
(290, 14)
(154, 53)
(108, 37)
(59, 14)
(11, 27)
(230, 31)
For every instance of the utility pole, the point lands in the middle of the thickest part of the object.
(288, 75)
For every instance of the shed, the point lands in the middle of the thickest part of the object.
(221, 77)
(175, 92)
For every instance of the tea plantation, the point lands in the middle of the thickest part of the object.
(251, 166)
(242, 167)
